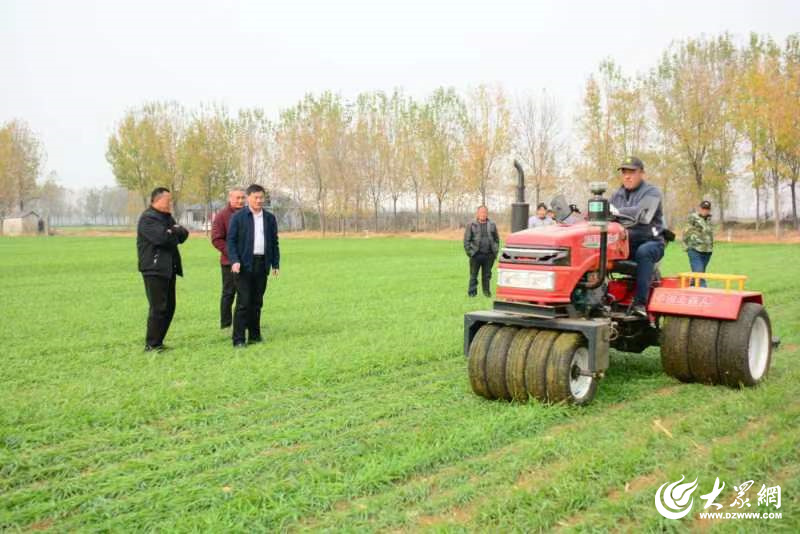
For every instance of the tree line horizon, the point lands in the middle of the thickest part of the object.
(711, 110)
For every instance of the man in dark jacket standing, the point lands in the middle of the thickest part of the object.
(646, 241)
(481, 243)
(252, 250)
(219, 237)
(157, 240)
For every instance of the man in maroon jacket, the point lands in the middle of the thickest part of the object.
(219, 236)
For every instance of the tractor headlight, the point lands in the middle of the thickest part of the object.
(543, 280)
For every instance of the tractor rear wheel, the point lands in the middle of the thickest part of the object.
(478, 350)
(569, 357)
(496, 362)
(674, 347)
(745, 347)
(536, 364)
(702, 350)
(515, 365)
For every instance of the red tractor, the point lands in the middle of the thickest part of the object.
(563, 299)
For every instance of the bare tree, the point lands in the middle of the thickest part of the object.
(21, 158)
(538, 141)
(441, 132)
(487, 136)
(255, 138)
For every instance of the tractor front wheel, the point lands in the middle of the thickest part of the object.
(496, 359)
(536, 364)
(567, 366)
(515, 365)
(477, 359)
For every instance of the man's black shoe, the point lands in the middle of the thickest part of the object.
(639, 309)
(470, 294)
(258, 339)
(155, 348)
(487, 293)
(224, 326)
(240, 345)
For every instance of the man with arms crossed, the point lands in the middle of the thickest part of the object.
(157, 240)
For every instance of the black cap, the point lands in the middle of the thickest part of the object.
(705, 205)
(631, 162)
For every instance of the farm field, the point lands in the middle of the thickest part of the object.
(357, 413)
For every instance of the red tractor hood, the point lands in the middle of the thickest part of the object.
(582, 240)
(564, 235)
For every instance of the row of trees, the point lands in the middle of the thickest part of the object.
(341, 159)
(709, 112)
(96, 205)
(22, 188)
(21, 160)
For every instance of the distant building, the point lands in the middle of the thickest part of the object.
(26, 223)
(193, 216)
(287, 212)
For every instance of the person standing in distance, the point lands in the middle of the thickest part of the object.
(252, 250)
(219, 236)
(540, 218)
(157, 240)
(698, 239)
(481, 243)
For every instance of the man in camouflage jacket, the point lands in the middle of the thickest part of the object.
(698, 239)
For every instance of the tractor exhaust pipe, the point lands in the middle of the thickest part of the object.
(519, 209)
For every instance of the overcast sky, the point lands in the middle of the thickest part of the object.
(72, 68)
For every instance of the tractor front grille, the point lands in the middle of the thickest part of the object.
(535, 256)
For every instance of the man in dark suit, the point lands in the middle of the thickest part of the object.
(219, 238)
(252, 250)
(157, 240)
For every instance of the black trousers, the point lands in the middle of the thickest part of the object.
(482, 261)
(161, 296)
(228, 295)
(646, 254)
(250, 287)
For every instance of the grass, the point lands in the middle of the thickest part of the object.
(357, 413)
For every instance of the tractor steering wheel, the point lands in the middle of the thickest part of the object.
(626, 221)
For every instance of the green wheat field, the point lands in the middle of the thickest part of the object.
(356, 414)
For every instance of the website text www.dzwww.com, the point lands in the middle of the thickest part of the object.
(740, 515)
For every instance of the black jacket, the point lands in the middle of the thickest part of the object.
(627, 202)
(472, 237)
(241, 233)
(157, 240)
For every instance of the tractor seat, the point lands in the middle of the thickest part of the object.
(625, 267)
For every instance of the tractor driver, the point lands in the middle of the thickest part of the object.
(646, 240)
